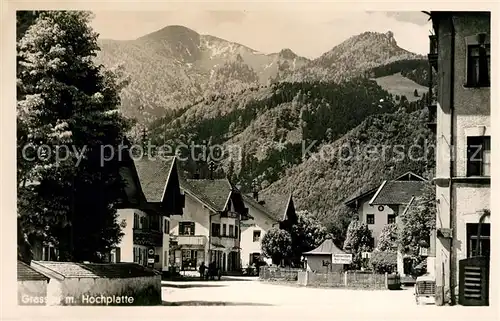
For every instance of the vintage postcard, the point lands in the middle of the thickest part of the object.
(323, 159)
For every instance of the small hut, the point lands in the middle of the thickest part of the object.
(31, 285)
(100, 283)
(320, 259)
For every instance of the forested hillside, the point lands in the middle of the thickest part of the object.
(271, 125)
(322, 184)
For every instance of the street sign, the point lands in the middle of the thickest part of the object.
(341, 258)
(151, 261)
(366, 255)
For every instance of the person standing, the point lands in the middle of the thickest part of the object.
(202, 270)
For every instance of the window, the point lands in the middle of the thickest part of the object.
(215, 229)
(484, 240)
(478, 65)
(154, 223)
(231, 230)
(136, 220)
(236, 232)
(370, 218)
(478, 155)
(166, 226)
(186, 228)
(165, 258)
(223, 229)
(136, 254)
(256, 236)
(391, 219)
(116, 255)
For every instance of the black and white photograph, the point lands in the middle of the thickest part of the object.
(254, 158)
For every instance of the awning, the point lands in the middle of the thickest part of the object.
(217, 246)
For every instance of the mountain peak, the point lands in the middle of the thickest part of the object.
(390, 36)
(287, 53)
(172, 32)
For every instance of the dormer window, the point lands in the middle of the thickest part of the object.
(478, 61)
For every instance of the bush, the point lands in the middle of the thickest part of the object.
(384, 261)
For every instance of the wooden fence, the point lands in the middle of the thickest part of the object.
(272, 273)
(348, 279)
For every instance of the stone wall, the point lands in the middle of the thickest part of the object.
(85, 291)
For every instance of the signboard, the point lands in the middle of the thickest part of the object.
(151, 256)
(366, 255)
(341, 258)
(247, 225)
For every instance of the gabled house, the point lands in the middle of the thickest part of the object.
(265, 213)
(380, 206)
(209, 230)
(385, 204)
(151, 196)
(252, 231)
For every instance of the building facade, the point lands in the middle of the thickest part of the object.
(209, 230)
(252, 231)
(383, 205)
(151, 197)
(460, 52)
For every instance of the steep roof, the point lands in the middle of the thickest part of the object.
(214, 193)
(397, 192)
(408, 176)
(27, 273)
(327, 247)
(252, 202)
(369, 193)
(153, 176)
(279, 206)
(64, 270)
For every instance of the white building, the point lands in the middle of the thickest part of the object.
(152, 195)
(209, 230)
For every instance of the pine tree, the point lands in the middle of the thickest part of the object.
(69, 105)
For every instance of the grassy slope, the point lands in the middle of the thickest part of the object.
(396, 84)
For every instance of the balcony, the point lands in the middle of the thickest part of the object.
(432, 121)
(228, 242)
(148, 237)
(433, 52)
(190, 240)
(230, 214)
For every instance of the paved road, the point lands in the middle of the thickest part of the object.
(323, 303)
(245, 291)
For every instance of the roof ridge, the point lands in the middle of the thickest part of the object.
(198, 194)
(263, 208)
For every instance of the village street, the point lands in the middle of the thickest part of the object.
(250, 292)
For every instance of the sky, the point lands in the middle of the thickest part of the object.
(308, 33)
